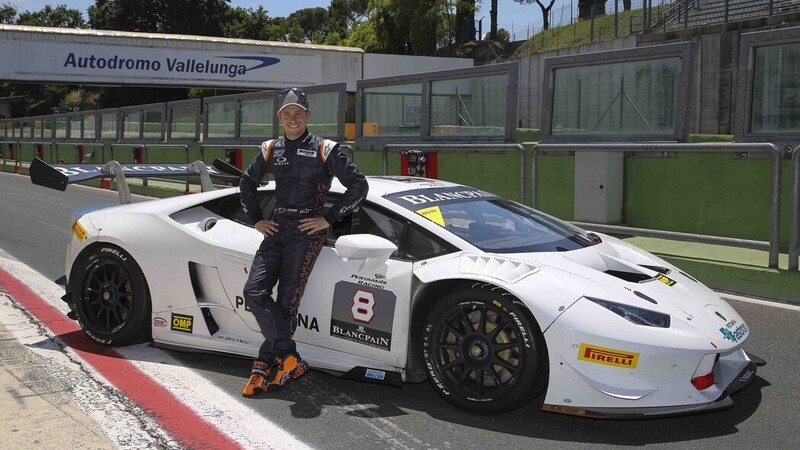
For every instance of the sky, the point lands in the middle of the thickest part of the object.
(518, 19)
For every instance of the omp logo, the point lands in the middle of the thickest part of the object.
(78, 231)
(181, 323)
(608, 356)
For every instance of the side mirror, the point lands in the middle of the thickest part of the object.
(364, 246)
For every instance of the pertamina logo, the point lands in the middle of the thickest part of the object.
(608, 356)
(181, 323)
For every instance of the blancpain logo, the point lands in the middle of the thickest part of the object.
(232, 66)
(442, 196)
(360, 335)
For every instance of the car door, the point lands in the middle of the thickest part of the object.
(360, 307)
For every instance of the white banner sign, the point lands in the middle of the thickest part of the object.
(83, 63)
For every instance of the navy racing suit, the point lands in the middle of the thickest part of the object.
(303, 170)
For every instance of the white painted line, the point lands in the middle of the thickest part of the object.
(231, 417)
(111, 411)
(757, 301)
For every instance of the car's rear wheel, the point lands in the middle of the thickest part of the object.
(110, 296)
(483, 351)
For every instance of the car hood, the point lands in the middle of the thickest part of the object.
(613, 270)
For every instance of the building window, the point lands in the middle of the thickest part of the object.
(625, 98)
(474, 106)
(221, 120)
(256, 118)
(775, 104)
(393, 110)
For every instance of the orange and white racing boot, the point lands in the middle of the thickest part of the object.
(290, 368)
(260, 377)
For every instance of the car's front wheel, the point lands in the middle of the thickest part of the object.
(110, 296)
(483, 352)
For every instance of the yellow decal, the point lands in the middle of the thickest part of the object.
(181, 322)
(666, 280)
(434, 214)
(78, 231)
(608, 356)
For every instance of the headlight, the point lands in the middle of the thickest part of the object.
(638, 316)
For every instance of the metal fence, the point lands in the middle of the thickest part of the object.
(652, 16)
(462, 148)
(740, 150)
(794, 230)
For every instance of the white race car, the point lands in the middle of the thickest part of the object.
(491, 301)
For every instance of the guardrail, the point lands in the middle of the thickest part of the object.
(462, 148)
(144, 146)
(794, 231)
(740, 150)
(203, 147)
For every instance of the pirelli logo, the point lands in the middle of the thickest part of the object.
(181, 323)
(78, 231)
(608, 356)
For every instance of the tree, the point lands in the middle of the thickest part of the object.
(626, 5)
(128, 15)
(465, 21)
(591, 8)
(408, 27)
(493, 21)
(365, 37)
(344, 14)
(200, 17)
(243, 23)
(60, 17)
(312, 23)
(545, 10)
(8, 14)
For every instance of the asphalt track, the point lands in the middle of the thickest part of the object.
(163, 399)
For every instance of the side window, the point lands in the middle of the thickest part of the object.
(230, 207)
(412, 242)
(421, 245)
(372, 221)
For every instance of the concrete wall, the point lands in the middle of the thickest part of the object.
(531, 76)
(379, 66)
(714, 78)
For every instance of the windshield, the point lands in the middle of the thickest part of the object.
(495, 224)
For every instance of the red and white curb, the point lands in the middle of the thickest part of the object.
(139, 395)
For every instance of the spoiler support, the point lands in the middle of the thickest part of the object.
(60, 175)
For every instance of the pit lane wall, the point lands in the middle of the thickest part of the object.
(711, 194)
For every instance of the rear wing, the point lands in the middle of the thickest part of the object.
(58, 176)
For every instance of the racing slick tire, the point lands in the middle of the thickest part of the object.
(110, 296)
(483, 351)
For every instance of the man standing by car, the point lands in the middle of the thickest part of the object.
(303, 166)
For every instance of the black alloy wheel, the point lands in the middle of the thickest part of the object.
(111, 297)
(483, 352)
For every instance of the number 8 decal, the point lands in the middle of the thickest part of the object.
(363, 306)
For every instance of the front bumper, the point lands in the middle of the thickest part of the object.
(745, 377)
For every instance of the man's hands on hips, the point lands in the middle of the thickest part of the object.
(310, 225)
(266, 227)
(313, 225)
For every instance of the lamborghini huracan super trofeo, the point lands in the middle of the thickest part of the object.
(493, 302)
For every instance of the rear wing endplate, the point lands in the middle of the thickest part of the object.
(58, 176)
